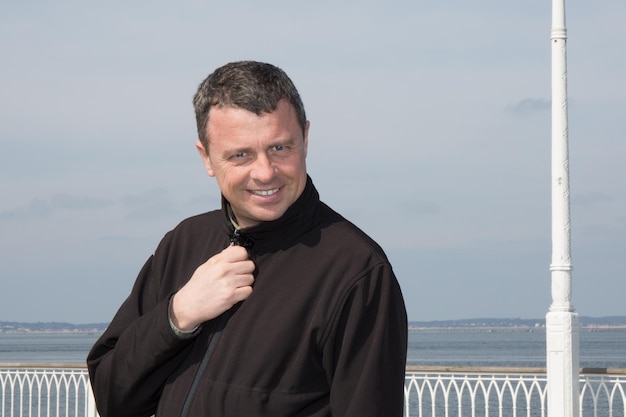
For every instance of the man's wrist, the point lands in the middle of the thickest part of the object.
(181, 334)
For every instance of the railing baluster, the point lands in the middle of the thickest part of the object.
(41, 389)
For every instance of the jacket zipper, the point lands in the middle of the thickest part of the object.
(238, 240)
(219, 327)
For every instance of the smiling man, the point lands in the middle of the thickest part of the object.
(259, 161)
(274, 305)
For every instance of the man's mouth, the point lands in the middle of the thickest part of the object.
(265, 192)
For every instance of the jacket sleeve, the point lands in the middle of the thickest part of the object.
(131, 361)
(366, 353)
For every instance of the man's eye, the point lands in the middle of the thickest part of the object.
(279, 148)
(238, 155)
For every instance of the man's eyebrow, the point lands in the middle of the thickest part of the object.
(287, 141)
(290, 140)
(236, 150)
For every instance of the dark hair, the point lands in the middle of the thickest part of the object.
(253, 86)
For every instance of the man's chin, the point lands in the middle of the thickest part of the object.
(260, 216)
(269, 218)
(269, 215)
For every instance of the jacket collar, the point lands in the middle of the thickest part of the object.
(280, 233)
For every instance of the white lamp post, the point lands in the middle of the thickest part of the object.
(562, 326)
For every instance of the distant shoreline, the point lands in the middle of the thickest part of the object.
(587, 328)
(58, 332)
(36, 328)
(411, 329)
(610, 323)
(68, 332)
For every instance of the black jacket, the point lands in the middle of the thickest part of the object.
(324, 332)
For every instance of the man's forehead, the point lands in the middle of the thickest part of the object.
(232, 127)
(284, 110)
(283, 102)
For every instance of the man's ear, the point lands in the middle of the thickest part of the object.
(205, 158)
(306, 137)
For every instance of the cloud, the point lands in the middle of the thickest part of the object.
(41, 207)
(530, 106)
(70, 202)
(590, 198)
(151, 203)
(420, 207)
(435, 141)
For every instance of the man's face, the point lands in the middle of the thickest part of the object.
(258, 161)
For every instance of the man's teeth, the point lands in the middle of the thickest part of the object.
(265, 192)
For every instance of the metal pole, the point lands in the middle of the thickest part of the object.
(562, 325)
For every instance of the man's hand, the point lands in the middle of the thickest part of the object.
(216, 286)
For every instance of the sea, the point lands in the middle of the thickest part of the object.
(442, 347)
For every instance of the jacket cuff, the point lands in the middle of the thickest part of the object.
(181, 334)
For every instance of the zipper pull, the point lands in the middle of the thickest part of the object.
(238, 239)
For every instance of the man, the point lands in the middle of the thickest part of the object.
(274, 305)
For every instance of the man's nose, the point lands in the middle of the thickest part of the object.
(263, 169)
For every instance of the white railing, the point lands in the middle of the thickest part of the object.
(45, 390)
(29, 390)
(463, 391)
(505, 392)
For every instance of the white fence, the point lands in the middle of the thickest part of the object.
(48, 390)
(505, 392)
(45, 390)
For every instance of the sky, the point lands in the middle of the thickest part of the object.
(430, 130)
